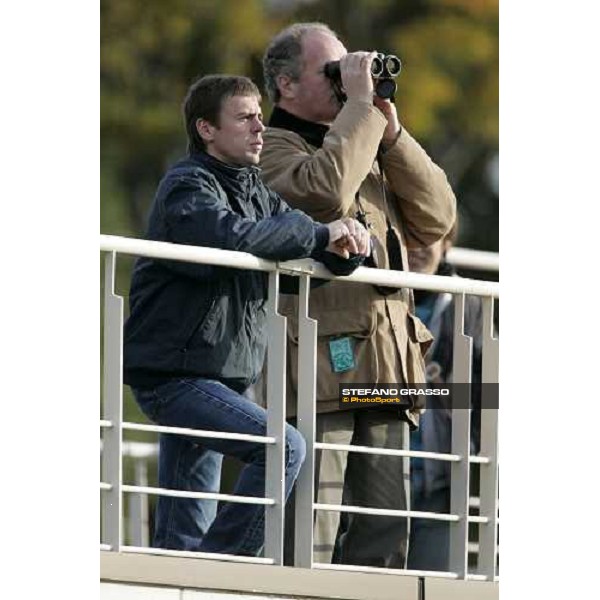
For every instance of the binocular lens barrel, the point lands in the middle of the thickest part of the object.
(377, 66)
(382, 66)
(393, 65)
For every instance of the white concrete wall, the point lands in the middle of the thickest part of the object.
(123, 591)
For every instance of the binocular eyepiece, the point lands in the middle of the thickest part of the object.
(384, 69)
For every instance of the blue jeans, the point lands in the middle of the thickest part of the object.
(208, 404)
(183, 464)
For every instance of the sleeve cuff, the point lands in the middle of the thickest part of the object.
(385, 146)
(321, 237)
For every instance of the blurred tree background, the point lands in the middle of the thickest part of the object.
(151, 50)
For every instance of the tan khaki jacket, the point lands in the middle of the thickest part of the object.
(389, 342)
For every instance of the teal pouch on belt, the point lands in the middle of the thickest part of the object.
(341, 354)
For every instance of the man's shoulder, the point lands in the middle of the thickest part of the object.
(188, 171)
(279, 145)
(278, 135)
(183, 178)
(189, 166)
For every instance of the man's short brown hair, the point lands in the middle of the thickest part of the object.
(204, 100)
(282, 56)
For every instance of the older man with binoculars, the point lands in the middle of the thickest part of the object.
(334, 147)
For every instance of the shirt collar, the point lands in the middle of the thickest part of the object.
(312, 133)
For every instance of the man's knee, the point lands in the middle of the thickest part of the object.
(295, 447)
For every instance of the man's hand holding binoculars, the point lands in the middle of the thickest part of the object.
(357, 81)
(355, 72)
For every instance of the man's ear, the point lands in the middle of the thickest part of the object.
(287, 87)
(205, 130)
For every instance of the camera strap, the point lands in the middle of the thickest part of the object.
(391, 238)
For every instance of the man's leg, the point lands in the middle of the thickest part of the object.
(205, 404)
(181, 523)
(430, 540)
(376, 481)
(330, 469)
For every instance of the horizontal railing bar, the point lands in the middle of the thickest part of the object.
(105, 486)
(386, 512)
(199, 433)
(193, 254)
(242, 260)
(150, 449)
(478, 577)
(390, 452)
(104, 423)
(139, 449)
(387, 451)
(205, 555)
(143, 450)
(410, 572)
(398, 279)
(477, 519)
(473, 259)
(107, 547)
(473, 548)
(137, 489)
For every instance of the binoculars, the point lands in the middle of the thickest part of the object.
(384, 69)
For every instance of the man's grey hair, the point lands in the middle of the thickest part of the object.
(282, 56)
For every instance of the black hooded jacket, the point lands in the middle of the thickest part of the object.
(192, 320)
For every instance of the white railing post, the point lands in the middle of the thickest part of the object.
(275, 473)
(461, 427)
(113, 408)
(488, 532)
(138, 506)
(307, 376)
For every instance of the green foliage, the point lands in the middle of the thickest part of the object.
(151, 50)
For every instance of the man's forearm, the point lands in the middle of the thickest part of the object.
(425, 198)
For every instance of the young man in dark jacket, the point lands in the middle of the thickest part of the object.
(196, 336)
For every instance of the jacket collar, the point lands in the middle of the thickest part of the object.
(232, 178)
(312, 133)
(230, 172)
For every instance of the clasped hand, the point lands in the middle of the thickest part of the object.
(347, 236)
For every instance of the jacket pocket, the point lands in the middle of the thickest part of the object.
(360, 328)
(418, 333)
(205, 327)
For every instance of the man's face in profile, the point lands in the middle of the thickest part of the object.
(314, 98)
(237, 139)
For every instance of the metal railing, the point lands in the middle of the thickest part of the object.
(113, 426)
(476, 260)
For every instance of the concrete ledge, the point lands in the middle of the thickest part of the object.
(202, 574)
(443, 589)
